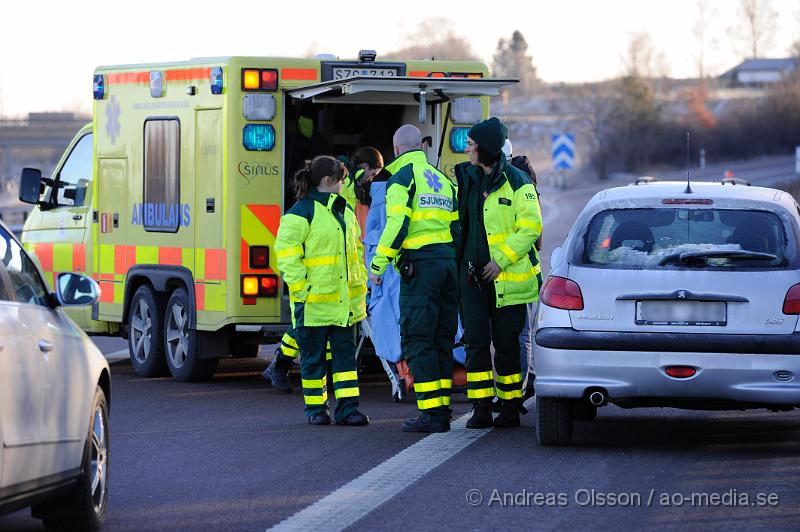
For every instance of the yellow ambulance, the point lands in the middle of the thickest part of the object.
(172, 196)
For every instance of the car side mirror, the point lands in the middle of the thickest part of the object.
(76, 290)
(555, 256)
(30, 185)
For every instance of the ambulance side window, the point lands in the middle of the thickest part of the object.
(162, 163)
(77, 173)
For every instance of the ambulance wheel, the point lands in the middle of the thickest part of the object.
(145, 318)
(180, 342)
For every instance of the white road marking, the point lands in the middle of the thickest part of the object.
(360, 496)
(122, 354)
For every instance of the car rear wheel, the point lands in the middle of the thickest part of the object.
(554, 420)
(180, 342)
(86, 504)
(583, 411)
(145, 318)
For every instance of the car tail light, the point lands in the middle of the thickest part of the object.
(563, 293)
(680, 372)
(791, 303)
(259, 257)
(687, 201)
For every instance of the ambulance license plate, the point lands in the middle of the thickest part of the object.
(344, 72)
(696, 313)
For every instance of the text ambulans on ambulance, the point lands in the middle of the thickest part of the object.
(172, 196)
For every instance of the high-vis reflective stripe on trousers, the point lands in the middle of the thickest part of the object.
(345, 384)
(480, 384)
(509, 386)
(433, 394)
(315, 392)
(289, 347)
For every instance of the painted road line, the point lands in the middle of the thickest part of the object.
(360, 496)
(116, 356)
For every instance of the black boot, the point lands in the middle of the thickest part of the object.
(509, 414)
(323, 418)
(277, 373)
(481, 415)
(426, 423)
(356, 419)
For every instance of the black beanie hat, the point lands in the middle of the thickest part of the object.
(490, 135)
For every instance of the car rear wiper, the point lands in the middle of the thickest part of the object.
(689, 256)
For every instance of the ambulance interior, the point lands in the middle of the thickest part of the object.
(331, 128)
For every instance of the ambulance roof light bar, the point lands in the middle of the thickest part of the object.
(367, 56)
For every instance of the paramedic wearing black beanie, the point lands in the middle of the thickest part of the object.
(501, 220)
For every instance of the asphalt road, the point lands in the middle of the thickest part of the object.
(233, 454)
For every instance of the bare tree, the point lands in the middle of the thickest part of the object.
(704, 35)
(440, 42)
(760, 21)
(643, 60)
(511, 60)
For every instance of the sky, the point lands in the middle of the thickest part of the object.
(49, 49)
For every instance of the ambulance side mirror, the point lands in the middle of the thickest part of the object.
(30, 185)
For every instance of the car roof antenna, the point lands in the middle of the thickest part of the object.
(688, 160)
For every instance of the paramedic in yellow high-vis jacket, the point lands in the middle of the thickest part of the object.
(321, 257)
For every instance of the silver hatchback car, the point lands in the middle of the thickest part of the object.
(666, 297)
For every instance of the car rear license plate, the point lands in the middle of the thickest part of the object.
(344, 73)
(697, 313)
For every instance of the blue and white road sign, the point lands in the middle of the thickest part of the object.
(563, 151)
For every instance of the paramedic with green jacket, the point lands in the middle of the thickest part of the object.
(501, 220)
(321, 257)
(421, 227)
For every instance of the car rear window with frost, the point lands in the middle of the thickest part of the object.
(683, 238)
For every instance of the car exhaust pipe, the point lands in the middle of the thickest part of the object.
(598, 398)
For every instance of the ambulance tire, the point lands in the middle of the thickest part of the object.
(180, 342)
(145, 318)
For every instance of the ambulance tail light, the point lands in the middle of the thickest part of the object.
(269, 79)
(258, 137)
(259, 257)
(268, 286)
(265, 285)
(249, 285)
(251, 79)
(259, 79)
(458, 139)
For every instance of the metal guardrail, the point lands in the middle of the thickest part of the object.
(14, 217)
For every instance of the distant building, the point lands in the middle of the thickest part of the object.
(759, 72)
(37, 141)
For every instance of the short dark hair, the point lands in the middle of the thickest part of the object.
(369, 156)
(487, 159)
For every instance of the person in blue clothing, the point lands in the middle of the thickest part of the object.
(521, 162)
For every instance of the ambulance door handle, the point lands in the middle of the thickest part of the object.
(116, 220)
(45, 346)
(210, 205)
(77, 217)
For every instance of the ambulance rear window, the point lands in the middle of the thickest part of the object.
(162, 163)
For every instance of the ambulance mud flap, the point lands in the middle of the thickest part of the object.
(163, 279)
